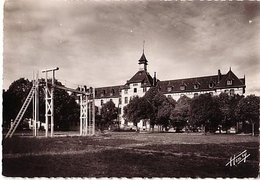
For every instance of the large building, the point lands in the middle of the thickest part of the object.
(142, 81)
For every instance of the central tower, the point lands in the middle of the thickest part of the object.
(143, 61)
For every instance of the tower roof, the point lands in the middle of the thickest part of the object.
(143, 59)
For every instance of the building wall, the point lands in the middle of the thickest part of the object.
(128, 94)
(135, 89)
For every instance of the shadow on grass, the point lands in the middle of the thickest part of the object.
(193, 160)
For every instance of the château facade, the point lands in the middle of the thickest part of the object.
(142, 81)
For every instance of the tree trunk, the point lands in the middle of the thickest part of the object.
(253, 129)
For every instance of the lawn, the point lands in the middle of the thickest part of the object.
(130, 155)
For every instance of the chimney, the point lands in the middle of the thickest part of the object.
(154, 79)
(219, 75)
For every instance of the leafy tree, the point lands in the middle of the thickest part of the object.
(136, 110)
(153, 106)
(108, 114)
(181, 114)
(153, 102)
(13, 100)
(66, 110)
(228, 105)
(205, 112)
(165, 110)
(248, 111)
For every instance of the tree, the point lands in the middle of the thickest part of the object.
(136, 110)
(248, 111)
(181, 114)
(66, 110)
(13, 100)
(205, 112)
(153, 102)
(108, 114)
(228, 105)
(153, 106)
(165, 110)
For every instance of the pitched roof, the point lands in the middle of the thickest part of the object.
(108, 92)
(143, 60)
(141, 76)
(205, 83)
(230, 76)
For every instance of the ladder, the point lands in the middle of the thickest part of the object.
(21, 113)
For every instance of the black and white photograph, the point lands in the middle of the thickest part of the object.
(130, 88)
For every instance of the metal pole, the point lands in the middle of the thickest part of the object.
(52, 96)
(37, 102)
(94, 109)
(33, 102)
(86, 120)
(34, 106)
(89, 117)
(46, 106)
(80, 119)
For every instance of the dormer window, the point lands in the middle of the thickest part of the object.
(112, 92)
(211, 85)
(169, 89)
(103, 93)
(196, 86)
(182, 87)
(229, 82)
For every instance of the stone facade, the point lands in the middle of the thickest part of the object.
(142, 81)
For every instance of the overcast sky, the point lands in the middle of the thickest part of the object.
(99, 43)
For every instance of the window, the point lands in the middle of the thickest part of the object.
(103, 93)
(232, 92)
(229, 82)
(144, 89)
(196, 94)
(120, 101)
(102, 102)
(111, 100)
(169, 89)
(126, 100)
(144, 123)
(211, 85)
(126, 91)
(135, 90)
(182, 87)
(112, 93)
(196, 86)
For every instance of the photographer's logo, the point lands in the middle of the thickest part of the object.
(237, 159)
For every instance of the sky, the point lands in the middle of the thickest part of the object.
(99, 43)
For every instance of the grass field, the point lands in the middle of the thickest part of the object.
(130, 155)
